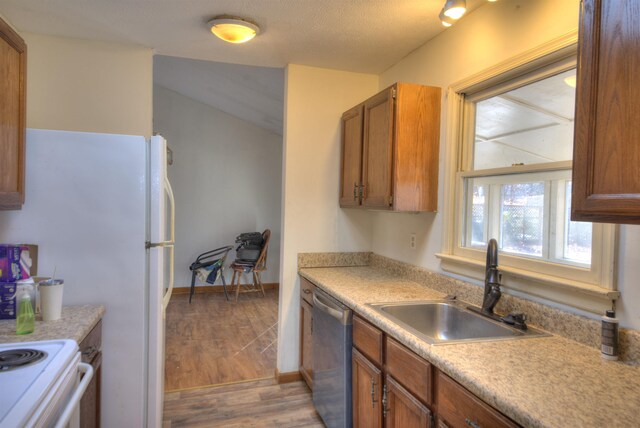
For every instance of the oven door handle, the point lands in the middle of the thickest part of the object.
(87, 371)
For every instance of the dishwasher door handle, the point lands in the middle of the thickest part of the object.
(327, 306)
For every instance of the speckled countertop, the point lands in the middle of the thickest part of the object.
(538, 382)
(75, 323)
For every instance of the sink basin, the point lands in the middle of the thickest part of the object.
(443, 321)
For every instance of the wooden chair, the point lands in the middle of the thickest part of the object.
(255, 269)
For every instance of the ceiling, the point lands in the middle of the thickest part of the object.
(365, 36)
(254, 94)
(355, 35)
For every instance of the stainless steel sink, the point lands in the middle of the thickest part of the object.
(444, 321)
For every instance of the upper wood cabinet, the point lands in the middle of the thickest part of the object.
(351, 167)
(390, 150)
(13, 65)
(606, 159)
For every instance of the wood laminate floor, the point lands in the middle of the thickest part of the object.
(262, 403)
(212, 341)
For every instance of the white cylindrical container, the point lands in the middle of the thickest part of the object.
(51, 299)
(609, 336)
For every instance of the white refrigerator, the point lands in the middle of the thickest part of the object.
(101, 210)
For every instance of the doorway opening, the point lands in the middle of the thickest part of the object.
(223, 124)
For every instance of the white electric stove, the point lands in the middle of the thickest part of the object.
(42, 383)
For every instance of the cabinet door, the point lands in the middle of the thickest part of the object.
(606, 177)
(366, 392)
(402, 409)
(13, 64)
(460, 408)
(351, 163)
(306, 342)
(377, 174)
(90, 403)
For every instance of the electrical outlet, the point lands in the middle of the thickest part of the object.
(412, 241)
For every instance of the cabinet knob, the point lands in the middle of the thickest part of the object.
(472, 424)
(90, 352)
(385, 401)
(373, 393)
(306, 291)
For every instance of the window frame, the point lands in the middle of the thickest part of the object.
(591, 289)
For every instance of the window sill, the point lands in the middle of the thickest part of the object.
(577, 294)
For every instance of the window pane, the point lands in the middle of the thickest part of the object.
(479, 216)
(577, 239)
(522, 218)
(530, 125)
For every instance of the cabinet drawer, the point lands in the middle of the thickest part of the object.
(92, 344)
(459, 407)
(411, 371)
(306, 290)
(368, 340)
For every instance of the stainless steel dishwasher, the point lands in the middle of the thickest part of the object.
(332, 360)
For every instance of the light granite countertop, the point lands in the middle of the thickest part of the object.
(538, 382)
(75, 323)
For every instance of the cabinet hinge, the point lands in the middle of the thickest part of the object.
(391, 200)
(393, 93)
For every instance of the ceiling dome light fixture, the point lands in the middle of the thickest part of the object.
(445, 20)
(233, 29)
(454, 9)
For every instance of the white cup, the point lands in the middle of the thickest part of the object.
(51, 299)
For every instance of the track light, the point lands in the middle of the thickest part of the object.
(445, 20)
(454, 9)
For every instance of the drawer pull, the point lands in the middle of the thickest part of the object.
(472, 424)
(385, 401)
(373, 393)
(306, 291)
(90, 352)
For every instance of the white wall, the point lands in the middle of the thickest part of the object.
(81, 85)
(312, 220)
(226, 177)
(491, 34)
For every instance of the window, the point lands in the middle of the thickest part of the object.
(510, 179)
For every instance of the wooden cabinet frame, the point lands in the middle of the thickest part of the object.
(397, 135)
(12, 117)
(414, 392)
(606, 179)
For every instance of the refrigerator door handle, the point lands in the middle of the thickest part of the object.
(164, 244)
(169, 244)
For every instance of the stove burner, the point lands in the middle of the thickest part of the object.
(17, 358)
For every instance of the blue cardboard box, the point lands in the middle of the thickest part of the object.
(8, 301)
(15, 262)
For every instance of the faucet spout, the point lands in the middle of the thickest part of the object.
(492, 291)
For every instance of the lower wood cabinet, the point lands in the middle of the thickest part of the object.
(91, 353)
(404, 390)
(457, 407)
(366, 392)
(306, 330)
(402, 409)
(306, 342)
